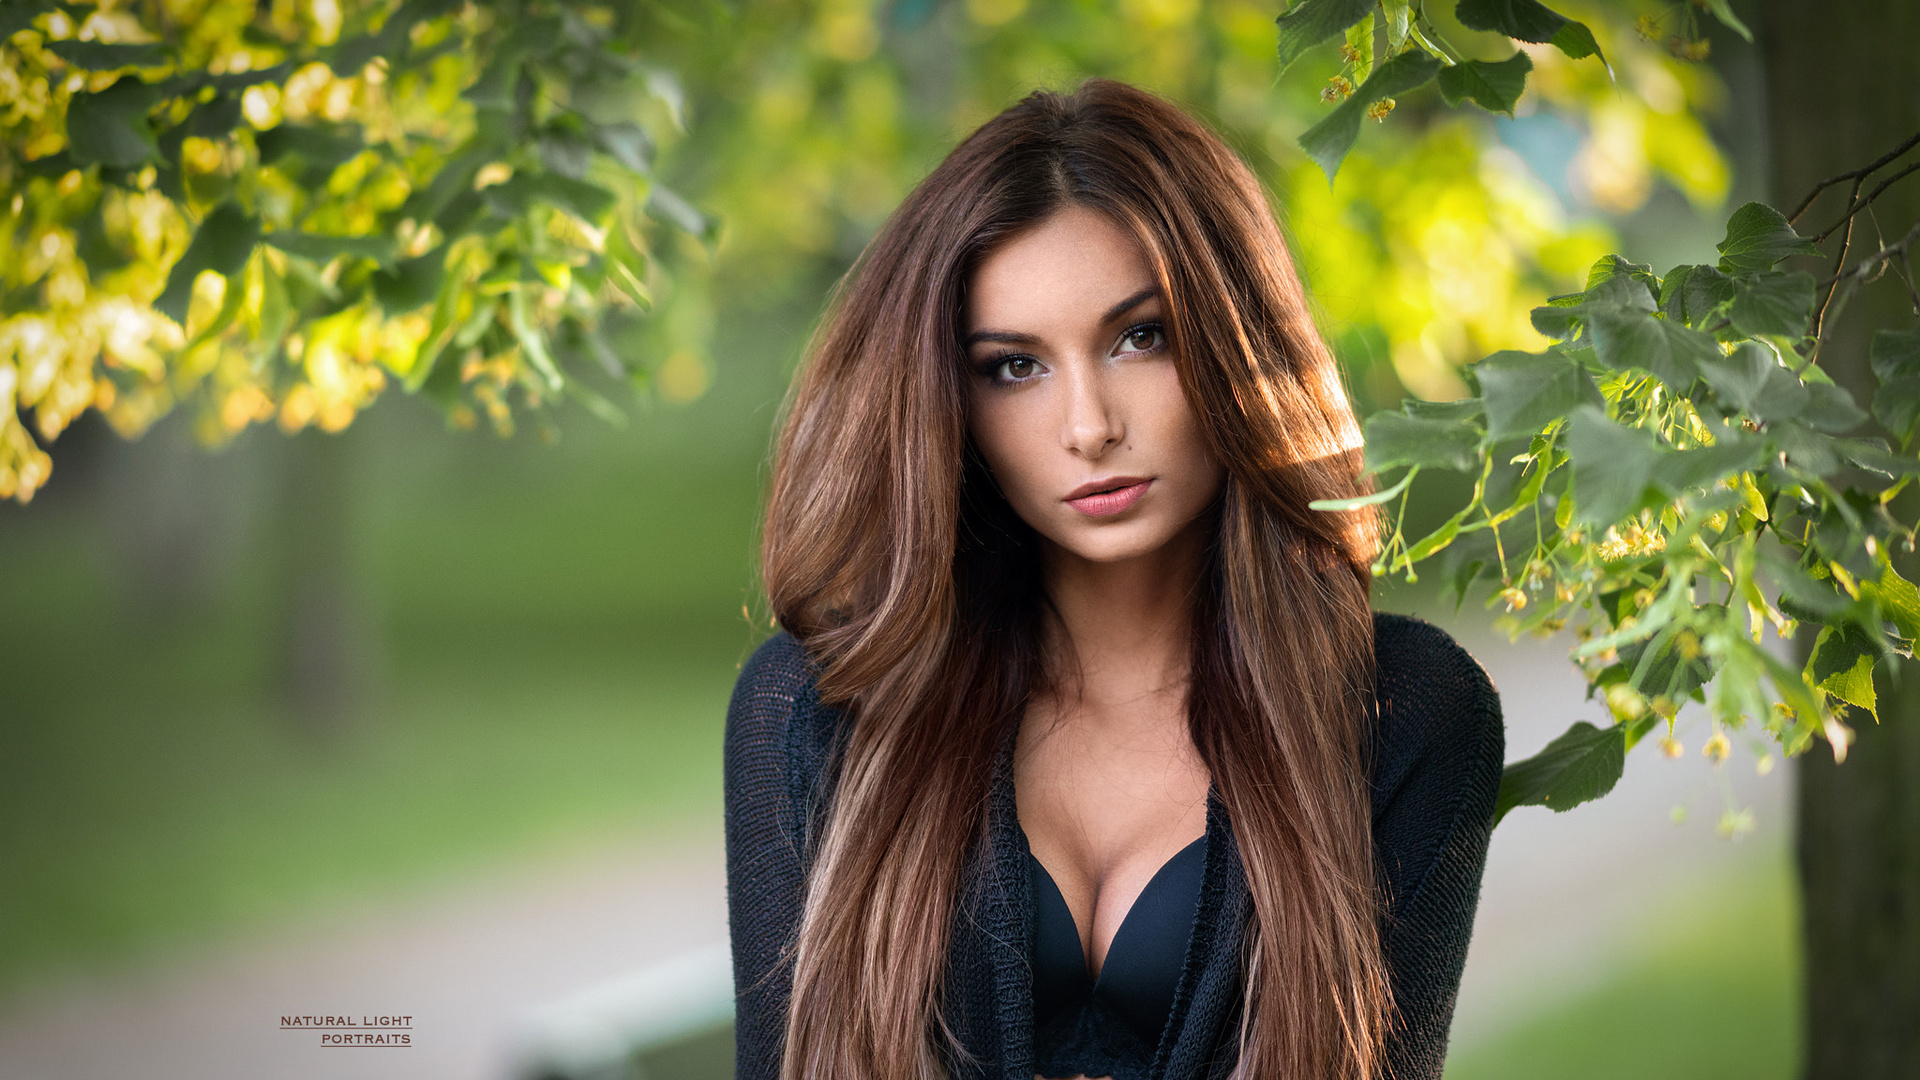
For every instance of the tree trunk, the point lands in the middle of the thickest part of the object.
(1842, 90)
(323, 648)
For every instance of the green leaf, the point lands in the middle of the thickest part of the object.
(1612, 466)
(1360, 37)
(1328, 141)
(1310, 22)
(410, 282)
(1560, 318)
(1495, 87)
(1659, 666)
(1873, 454)
(532, 344)
(323, 249)
(1895, 354)
(672, 207)
(1842, 665)
(1723, 11)
(1679, 472)
(627, 143)
(1525, 392)
(110, 127)
(1399, 15)
(1773, 303)
(1811, 450)
(1527, 20)
(1582, 764)
(101, 56)
(1609, 267)
(1624, 338)
(1738, 380)
(231, 301)
(1360, 501)
(1899, 601)
(1897, 404)
(588, 202)
(1757, 237)
(222, 243)
(17, 15)
(1673, 294)
(1831, 409)
(1394, 438)
(1434, 541)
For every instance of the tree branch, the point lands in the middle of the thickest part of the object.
(1861, 272)
(1855, 174)
(1855, 204)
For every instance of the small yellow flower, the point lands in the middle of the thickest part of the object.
(1672, 747)
(1379, 109)
(1515, 598)
(1339, 88)
(1688, 643)
(1717, 747)
(1625, 702)
(1350, 54)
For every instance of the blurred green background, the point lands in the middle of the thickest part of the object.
(542, 634)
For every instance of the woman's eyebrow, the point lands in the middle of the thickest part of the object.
(1009, 337)
(1129, 304)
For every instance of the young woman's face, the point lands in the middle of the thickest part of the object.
(1075, 399)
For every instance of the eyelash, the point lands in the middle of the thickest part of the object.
(990, 367)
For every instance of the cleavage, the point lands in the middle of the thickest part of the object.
(1086, 943)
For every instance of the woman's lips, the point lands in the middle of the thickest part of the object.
(1117, 496)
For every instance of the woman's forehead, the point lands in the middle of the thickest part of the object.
(1076, 261)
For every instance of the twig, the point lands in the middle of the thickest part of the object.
(1891, 251)
(1898, 250)
(1853, 174)
(1840, 260)
(1856, 204)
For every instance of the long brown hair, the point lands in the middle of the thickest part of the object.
(889, 553)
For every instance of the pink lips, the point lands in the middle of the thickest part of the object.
(1105, 498)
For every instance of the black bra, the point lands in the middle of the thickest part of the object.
(1143, 963)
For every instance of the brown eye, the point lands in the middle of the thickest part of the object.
(1143, 338)
(1018, 367)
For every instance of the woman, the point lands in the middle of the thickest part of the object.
(1081, 751)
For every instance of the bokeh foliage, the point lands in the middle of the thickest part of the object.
(273, 211)
(1677, 473)
(460, 199)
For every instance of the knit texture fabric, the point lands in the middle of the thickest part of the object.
(1436, 771)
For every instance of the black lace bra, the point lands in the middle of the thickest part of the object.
(1075, 1015)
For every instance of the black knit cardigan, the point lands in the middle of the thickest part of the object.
(1437, 760)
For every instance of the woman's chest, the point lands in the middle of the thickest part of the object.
(1103, 814)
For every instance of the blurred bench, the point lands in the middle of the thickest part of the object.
(671, 1021)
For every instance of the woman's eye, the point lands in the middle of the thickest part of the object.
(1142, 338)
(1017, 367)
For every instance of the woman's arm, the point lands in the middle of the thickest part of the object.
(1436, 777)
(765, 837)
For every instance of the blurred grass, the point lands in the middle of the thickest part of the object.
(1707, 993)
(554, 633)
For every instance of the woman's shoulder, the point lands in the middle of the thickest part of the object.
(1434, 699)
(776, 708)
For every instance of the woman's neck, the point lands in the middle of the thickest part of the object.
(1124, 629)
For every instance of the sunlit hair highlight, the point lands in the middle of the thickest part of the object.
(889, 553)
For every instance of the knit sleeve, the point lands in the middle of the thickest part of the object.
(1436, 775)
(765, 846)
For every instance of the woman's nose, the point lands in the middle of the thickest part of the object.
(1092, 424)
